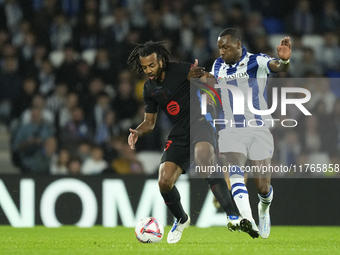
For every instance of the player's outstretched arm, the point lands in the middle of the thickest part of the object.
(195, 71)
(205, 77)
(284, 51)
(143, 129)
(210, 80)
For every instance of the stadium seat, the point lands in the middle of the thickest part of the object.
(275, 40)
(313, 41)
(318, 158)
(273, 26)
(335, 75)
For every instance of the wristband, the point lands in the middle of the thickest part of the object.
(284, 61)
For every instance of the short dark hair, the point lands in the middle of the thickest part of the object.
(146, 49)
(234, 33)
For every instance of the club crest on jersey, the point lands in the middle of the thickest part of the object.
(165, 93)
(173, 108)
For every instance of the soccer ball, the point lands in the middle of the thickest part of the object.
(149, 230)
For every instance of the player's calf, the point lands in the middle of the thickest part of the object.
(264, 216)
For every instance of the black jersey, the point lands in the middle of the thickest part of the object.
(175, 96)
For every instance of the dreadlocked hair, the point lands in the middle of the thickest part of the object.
(146, 49)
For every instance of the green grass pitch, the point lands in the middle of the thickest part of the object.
(214, 240)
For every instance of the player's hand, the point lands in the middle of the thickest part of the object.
(196, 71)
(284, 50)
(133, 137)
(210, 101)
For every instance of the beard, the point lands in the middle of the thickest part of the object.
(158, 75)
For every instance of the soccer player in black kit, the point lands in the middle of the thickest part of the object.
(169, 87)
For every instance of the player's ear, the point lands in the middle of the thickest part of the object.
(239, 46)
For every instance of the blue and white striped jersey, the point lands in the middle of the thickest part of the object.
(251, 71)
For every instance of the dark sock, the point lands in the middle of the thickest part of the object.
(220, 189)
(173, 201)
(234, 203)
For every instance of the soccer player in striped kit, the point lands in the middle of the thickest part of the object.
(239, 142)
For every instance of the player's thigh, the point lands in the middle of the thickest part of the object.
(230, 159)
(233, 158)
(261, 146)
(177, 151)
(204, 153)
(168, 175)
(232, 148)
(203, 137)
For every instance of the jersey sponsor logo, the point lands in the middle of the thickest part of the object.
(167, 145)
(236, 76)
(173, 108)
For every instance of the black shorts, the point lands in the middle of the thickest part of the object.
(178, 149)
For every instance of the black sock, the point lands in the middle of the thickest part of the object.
(220, 189)
(234, 203)
(173, 201)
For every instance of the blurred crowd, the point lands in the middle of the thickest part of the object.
(68, 97)
(316, 138)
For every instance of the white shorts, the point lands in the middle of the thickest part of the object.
(255, 144)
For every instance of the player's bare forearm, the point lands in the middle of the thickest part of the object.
(278, 66)
(144, 128)
(209, 79)
(208, 75)
(147, 125)
(195, 71)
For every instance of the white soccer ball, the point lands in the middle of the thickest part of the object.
(149, 230)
